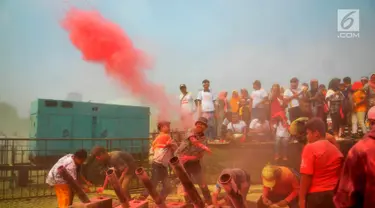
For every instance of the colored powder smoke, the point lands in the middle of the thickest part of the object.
(104, 42)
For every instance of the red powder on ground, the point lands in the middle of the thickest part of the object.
(104, 42)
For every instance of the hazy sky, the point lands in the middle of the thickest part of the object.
(230, 42)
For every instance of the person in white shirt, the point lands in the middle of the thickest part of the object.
(236, 129)
(292, 96)
(206, 108)
(259, 98)
(260, 128)
(187, 107)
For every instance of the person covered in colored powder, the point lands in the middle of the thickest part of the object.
(191, 152)
(122, 162)
(162, 150)
(71, 162)
(356, 187)
(240, 182)
(320, 168)
(280, 187)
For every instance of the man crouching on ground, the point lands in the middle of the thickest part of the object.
(240, 180)
(123, 164)
(190, 153)
(280, 187)
(71, 163)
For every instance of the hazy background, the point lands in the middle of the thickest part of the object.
(230, 42)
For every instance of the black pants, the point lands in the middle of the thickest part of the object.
(320, 200)
(336, 122)
(274, 198)
(294, 113)
(194, 170)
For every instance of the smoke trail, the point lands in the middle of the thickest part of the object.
(103, 42)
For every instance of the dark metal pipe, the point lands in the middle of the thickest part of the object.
(186, 183)
(226, 181)
(73, 184)
(142, 175)
(112, 178)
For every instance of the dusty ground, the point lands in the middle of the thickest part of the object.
(50, 202)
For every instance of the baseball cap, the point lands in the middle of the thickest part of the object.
(268, 176)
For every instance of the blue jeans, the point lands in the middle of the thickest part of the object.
(281, 146)
(211, 129)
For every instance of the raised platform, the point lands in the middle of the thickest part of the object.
(253, 156)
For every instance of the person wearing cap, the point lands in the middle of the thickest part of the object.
(240, 183)
(206, 108)
(320, 167)
(280, 187)
(122, 162)
(292, 96)
(162, 150)
(187, 106)
(356, 187)
(191, 152)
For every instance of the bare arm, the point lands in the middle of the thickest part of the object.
(305, 186)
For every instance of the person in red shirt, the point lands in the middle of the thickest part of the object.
(320, 168)
(280, 187)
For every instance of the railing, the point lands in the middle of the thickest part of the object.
(25, 163)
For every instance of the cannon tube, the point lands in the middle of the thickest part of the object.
(142, 175)
(73, 184)
(226, 181)
(112, 178)
(186, 183)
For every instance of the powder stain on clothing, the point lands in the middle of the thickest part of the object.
(103, 42)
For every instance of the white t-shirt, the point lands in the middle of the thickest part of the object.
(255, 124)
(258, 96)
(237, 127)
(281, 131)
(207, 100)
(226, 122)
(294, 102)
(187, 103)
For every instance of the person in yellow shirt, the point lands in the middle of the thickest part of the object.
(359, 109)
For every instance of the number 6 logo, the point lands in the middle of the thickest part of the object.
(346, 19)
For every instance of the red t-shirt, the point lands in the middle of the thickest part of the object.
(323, 161)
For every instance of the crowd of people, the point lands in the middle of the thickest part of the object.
(325, 179)
(269, 115)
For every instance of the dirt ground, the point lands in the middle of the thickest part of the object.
(50, 202)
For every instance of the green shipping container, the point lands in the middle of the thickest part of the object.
(58, 119)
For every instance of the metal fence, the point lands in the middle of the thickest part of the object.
(25, 163)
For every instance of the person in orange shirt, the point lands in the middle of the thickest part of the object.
(161, 151)
(359, 110)
(280, 187)
(234, 102)
(320, 167)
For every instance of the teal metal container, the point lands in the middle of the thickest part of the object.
(60, 120)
